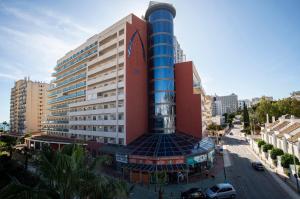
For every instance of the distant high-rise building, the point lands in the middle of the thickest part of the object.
(225, 104)
(28, 106)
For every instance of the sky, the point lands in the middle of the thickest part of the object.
(249, 47)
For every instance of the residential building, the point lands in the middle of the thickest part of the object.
(179, 56)
(96, 81)
(127, 87)
(257, 99)
(225, 104)
(218, 119)
(296, 95)
(284, 134)
(207, 112)
(242, 102)
(28, 106)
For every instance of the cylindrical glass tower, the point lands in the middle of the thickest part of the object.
(162, 88)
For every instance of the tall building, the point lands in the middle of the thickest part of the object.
(127, 86)
(225, 104)
(97, 81)
(28, 106)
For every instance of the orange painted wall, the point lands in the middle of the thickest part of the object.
(136, 82)
(188, 105)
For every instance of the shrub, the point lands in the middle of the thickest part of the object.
(288, 159)
(261, 143)
(267, 147)
(276, 152)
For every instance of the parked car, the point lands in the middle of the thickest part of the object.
(222, 190)
(258, 166)
(193, 193)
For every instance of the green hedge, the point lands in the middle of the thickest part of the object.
(276, 152)
(261, 143)
(267, 147)
(288, 159)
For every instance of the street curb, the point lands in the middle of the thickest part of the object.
(291, 192)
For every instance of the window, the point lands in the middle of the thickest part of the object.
(121, 141)
(94, 117)
(121, 32)
(94, 128)
(121, 116)
(120, 129)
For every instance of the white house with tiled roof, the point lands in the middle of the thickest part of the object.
(284, 134)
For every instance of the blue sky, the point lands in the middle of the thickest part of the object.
(248, 47)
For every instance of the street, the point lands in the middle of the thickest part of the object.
(249, 183)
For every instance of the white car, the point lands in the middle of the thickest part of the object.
(222, 190)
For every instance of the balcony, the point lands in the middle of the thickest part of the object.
(96, 122)
(105, 88)
(105, 77)
(79, 59)
(75, 55)
(98, 133)
(98, 100)
(96, 112)
(67, 97)
(72, 79)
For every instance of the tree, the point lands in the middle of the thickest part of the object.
(68, 173)
(276, 152)
(261, 143)
(246, 117)
(10, 142)
(288, 159)
(267, 147)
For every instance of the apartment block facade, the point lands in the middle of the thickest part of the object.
(225, 104)
(95, 83)
(28, 106)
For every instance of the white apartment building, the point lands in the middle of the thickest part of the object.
(87, 97)
(225, 104)
(242, 102)
(257, 99)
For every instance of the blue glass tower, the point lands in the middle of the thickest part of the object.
(161, 60)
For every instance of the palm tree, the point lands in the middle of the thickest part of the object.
(66, 172)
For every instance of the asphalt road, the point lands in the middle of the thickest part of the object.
(249, 183)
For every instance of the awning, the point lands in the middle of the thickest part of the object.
(153, 168)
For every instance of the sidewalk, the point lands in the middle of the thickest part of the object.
(283, 181)
(173, 191)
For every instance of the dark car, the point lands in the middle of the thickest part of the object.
(258, 166)
(193, 193)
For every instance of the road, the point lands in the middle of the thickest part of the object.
(250, 184)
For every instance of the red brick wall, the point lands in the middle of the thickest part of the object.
(136, 90)
(188, 105)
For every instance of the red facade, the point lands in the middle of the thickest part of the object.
(136, 81)
(188, 104)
